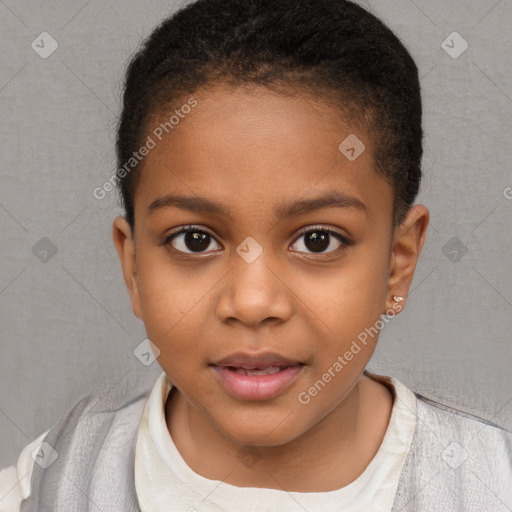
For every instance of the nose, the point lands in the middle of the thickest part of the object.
(255, 293)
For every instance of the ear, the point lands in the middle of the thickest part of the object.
(407, 243)
(125, 245)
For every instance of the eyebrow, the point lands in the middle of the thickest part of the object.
(203, 205)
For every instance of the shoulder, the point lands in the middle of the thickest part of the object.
(474, 431)
(105, 419)
(485, 446)
(15, 480)
(457, 459)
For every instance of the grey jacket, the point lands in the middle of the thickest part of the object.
(457, 462)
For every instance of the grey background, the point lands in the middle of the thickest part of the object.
(67, 324)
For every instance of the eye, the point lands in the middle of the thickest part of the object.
(194, 240)
(320, 238)
(189, 237)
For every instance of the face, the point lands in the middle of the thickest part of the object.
(290, 258)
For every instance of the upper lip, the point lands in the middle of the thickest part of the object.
(257, 360)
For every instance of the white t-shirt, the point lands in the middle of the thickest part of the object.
(162, 477)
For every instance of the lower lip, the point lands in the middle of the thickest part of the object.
(257, 387)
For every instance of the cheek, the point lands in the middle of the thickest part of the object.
(348, 297)
(173, 301)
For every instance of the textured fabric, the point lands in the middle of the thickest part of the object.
(15, 480)
(163, 477)
(95, 443)
(455, 462)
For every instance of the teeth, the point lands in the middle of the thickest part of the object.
(258, 371)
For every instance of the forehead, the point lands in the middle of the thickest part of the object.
(251, 148)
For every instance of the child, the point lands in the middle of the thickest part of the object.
(269, 157)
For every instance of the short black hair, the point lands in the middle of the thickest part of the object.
(332, 48)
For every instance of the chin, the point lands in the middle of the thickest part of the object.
(271, 432)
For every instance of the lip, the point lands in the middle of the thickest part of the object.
(256, 387)
(256, 360)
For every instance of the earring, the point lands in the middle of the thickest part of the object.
(396, 298)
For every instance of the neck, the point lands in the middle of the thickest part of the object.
(328, 456)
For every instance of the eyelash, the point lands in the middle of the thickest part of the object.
(197, 229)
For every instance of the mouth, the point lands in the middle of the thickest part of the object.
(271, 370)
(256, 376)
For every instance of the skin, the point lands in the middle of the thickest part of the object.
(252, 149)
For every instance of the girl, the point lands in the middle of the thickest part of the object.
(269, 156)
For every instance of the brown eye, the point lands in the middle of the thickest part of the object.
(318, 239)
(190, 240)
